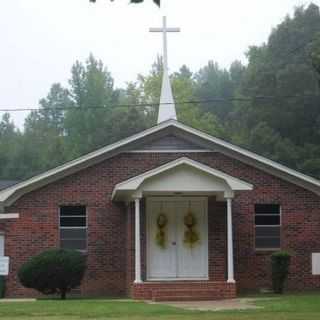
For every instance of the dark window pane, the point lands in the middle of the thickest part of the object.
(68, 234)
(73, 211)
(268, 232)
(73, 244)
(267, 208)
(267, 243)
(73, 221)
(267, 220)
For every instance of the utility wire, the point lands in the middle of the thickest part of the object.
(156, 104)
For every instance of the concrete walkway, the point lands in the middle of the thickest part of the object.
(17, 300)
(218, 305)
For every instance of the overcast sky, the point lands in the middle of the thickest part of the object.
(41, 39)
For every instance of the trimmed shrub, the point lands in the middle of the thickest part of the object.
(2, 286)
(280, 262)
(55, 271)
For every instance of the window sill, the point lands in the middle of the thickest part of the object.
(267, 250)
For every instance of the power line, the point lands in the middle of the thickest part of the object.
(148, 105)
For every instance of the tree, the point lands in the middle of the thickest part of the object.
(184, 86)
(282, 86)
(157, 2)
(315, 55)
(44, 131)
(134, 118)
(213, 82)
(271, 106)
(93, 95)
(71, 122)
(184, 89)
(98, 115)
(54, 271)
(10, 149)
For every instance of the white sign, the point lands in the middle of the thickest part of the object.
(315, 264)
(1, 245)
(4, 266)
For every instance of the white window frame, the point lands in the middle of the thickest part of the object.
(267, 226)
(74, 228)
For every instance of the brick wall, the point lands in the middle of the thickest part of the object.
(110, 235)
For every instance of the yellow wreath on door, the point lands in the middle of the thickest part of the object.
(191, 236)
(162, 222)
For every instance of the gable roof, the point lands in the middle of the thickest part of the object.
(7, 183)
(11, 194)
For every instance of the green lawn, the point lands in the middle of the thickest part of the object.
(302, 307)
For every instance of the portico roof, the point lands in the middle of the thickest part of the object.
(181, 175)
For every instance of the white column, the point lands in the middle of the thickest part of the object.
(137, 242)
(230, 242)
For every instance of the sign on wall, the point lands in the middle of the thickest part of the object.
(315, 264)
(1, 245)
(4, 266)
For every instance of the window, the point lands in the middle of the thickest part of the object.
(267, 225)
(73, 227)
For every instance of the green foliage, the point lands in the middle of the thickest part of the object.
(282, 68)
(2, 286)
(271, 106)
(213, 82)
(71, 122)
(315, 55)
(280, 263)
(157, 2)
(43, 137)
(53, 271)
(10, 149)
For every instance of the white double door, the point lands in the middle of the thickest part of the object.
(177, 259)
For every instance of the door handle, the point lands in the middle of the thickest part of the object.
(174, 243)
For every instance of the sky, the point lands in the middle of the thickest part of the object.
(41, 39)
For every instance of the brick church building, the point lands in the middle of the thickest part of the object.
(168, 213)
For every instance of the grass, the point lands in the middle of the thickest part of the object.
(288, 307)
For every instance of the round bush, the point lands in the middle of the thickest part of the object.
(280, 269)
(53, 271)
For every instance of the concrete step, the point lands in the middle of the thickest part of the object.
(184, 295)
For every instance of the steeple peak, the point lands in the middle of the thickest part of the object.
(167, 109)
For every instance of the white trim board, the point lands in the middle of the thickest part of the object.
(4, 216)
(170, 151)
(11, 194)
